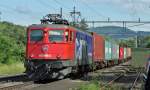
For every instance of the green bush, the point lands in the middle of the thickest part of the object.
(12, 43)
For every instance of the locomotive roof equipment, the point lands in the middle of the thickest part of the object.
(54, 19)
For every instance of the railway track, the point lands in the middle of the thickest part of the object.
(109, 83)
(21, 82)
(114, 79)
(14, 82)
(15, 85)
(133, 86)
(131, 81)
(14, 78)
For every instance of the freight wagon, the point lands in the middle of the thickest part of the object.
(115, 52)
(121, 54)
(98, 50)
(129, 53)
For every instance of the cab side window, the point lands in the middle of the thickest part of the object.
(71, 35)
(67, 35)
(36, 35)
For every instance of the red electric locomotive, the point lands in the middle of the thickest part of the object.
(48, 43)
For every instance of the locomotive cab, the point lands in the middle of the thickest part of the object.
(50, 43)
(49, 51)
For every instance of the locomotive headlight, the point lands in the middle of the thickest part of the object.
(58, 56)
(32, 55)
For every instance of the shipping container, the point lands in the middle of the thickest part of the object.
(125, 52)
(121, 53)
(128, 52)
(116, 61)
(115, 51)
(98, 47)
(108, 50)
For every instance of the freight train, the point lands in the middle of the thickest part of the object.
(55, 50)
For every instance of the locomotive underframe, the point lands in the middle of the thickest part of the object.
(41, 69)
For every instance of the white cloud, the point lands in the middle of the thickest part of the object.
(137, 5)
(145, 27)
(133, 5)
(22, 10)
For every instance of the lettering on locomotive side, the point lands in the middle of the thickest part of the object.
(45, 48)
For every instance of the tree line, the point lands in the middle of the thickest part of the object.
(12, 42)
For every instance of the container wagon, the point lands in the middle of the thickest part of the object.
(121, 54)
(98, 50)
(108, 53)
(115, 53)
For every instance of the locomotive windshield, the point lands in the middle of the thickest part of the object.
(56, 35)
(36, 35)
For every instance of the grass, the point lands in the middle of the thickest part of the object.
(139, 56)
(11, 69)
(97, 86)
(90, 86)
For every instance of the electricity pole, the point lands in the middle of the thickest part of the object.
(61, 12)
(136, 41)
(73, 15)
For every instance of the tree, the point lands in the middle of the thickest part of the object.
(81, 25)
(12, 42)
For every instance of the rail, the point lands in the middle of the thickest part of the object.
(109, 83)
(14, 86)
(18, 77)
(14, 82)
(135, 81)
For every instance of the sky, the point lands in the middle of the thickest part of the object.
(27, 12)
